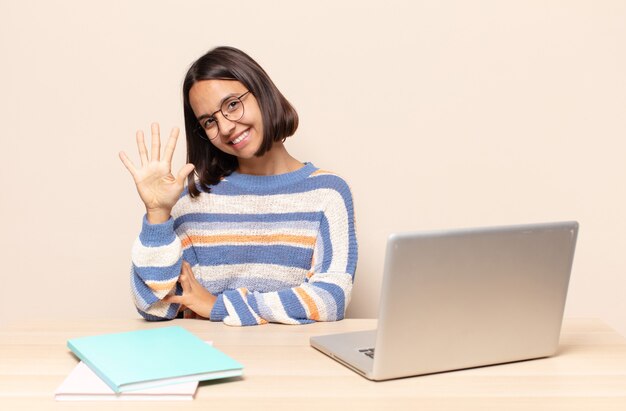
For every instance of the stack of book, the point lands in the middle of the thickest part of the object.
(156, 364)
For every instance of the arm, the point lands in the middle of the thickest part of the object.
(156, 253)
(324, 295)
(157, 259)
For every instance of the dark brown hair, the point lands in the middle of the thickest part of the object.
(280, 119)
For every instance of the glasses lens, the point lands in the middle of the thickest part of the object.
(211, 129)
(207, 131)
(232, 109)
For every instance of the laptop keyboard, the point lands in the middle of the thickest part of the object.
(368, 351)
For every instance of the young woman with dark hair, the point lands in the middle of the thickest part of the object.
(256, 236)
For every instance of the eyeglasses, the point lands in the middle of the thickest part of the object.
(231, 109)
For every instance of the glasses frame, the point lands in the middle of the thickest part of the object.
(201, 131)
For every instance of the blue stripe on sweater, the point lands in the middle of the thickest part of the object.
(189, 255)
(219, 309)
(325, 181)
(159, 273)
(156, 235)
(328, 247)
(254, 306)
(292, 305)
(337, 293)
(241, 308)
(352, 254)
(236, 218)
(256, 254)
(252, 283)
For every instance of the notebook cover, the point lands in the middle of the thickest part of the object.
(151, 358)
(82, 384)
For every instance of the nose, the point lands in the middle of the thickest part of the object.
(225, 125)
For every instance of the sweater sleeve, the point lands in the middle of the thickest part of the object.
(325, 293)
(156, 265)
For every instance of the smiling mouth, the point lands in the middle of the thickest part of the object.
(240, 138)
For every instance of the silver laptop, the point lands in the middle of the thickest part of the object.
(463, 298)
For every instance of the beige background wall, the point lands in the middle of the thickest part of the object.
(441, 114)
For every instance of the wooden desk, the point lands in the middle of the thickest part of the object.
(283, 372)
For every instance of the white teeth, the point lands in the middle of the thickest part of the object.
(241, 137)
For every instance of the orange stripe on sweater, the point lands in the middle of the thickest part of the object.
(320, 171)
(315, 315)
(161, 286)
(242, 239)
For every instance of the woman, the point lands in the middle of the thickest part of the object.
(256, 236)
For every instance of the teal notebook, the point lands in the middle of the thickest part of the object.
(150, 358)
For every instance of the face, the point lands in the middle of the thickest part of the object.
(241, 138)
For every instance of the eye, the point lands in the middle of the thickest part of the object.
(208, 122)
(232, 105)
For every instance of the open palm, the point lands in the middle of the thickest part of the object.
(158, 188)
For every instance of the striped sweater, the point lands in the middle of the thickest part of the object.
(278, 248)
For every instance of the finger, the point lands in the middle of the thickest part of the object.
(156, 142)
(173, 299)
(171, 145)
(127, 163)
(184, 282)
(189, 275)
(187, 286)
(184, 172)
(186, 268)
(141, 145)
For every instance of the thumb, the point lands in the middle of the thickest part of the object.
(184, 172)
(173, 299)
(191, 277)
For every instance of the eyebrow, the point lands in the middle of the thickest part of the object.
(202, 117)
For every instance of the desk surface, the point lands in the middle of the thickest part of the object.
(282, 371)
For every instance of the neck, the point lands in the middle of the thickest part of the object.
(275, 161)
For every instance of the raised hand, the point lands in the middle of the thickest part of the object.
(158, 188)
